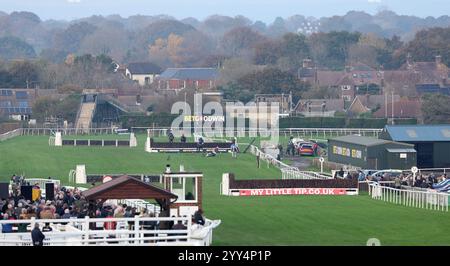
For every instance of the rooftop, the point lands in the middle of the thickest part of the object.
(365, 141)
(421, 133)
(143, 68)
(190, 73)
(127, 187)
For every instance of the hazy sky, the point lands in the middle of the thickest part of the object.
(265, 10)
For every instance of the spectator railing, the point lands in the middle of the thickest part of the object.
(286, 132)
(296, 174)
(430, 199)
(129, 231)
(41, 182)
(436, 171)
(287, 171)
(67, 131)
(140, 205)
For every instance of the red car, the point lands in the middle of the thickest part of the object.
(306, 149)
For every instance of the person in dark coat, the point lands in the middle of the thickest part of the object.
(198, 217)
(37, 236)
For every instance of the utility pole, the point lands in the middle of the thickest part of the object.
(385, 105)
(392, 106)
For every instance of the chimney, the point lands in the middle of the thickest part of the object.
(438, 60)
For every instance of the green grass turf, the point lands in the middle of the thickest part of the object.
(282, 220)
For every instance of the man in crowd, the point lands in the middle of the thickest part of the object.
(290, 147)
(198, 217)
(200, 143)
(37, 236)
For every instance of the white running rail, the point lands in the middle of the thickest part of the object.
(128, 232)
(10, 134)
(430, 200)
(296, 174)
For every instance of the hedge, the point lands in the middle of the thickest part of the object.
(405, 121)
(332, 122)
(312, 122)
(367, 122)
(157, 120)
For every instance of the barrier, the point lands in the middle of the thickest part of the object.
(296, 174)
(152, 146)
(41, 182)
(129, 231)
(266, 187)
(430, 200)
(67, 131)
(285, 132)
(10, 134)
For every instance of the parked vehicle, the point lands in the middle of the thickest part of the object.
(306, 149)
(391, 172)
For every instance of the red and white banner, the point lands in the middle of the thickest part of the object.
(292, 191)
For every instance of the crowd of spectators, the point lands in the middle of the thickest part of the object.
(70, 203)
(407, 179)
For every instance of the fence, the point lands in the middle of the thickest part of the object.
(158, 132)
(269, 158)
(42, 181)
(128, 231)
(11, 134)
(296, 174)
(141, 205)
(433, 170)
(430, 200)
(285, 132)
(68, 131)
(287, 171)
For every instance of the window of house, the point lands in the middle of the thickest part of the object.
(21, 95)
(346, 97)
(185, 188)
(147, 80)
(345, 87)
(23, 104)
(5, 103)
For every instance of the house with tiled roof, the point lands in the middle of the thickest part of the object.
(319, 107)
(403, 108)
(357, 107)
(142, 72)
(181, 78)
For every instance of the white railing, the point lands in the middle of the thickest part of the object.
(11, 134)
(287, 171)
(296, 174)
(269, 158)
(41, 182)
(434, 170)
(286, 132)
(140, 205)
(67, 131)
(128, 231)
(430, 200)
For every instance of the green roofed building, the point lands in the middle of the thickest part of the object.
(371, 153)
(432, 142)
